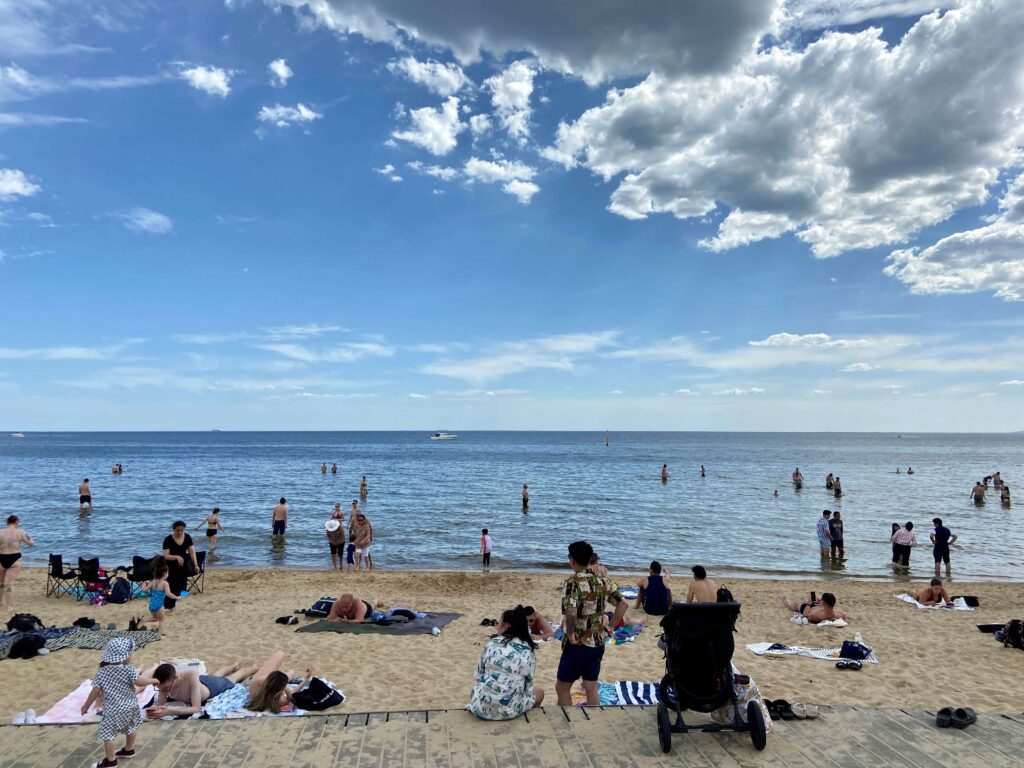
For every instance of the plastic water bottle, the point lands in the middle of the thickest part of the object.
(436, 631)
(858, 638)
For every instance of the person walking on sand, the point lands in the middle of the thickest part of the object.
(824, 531)
(977, 493)
(526, 497)
(584, 625)
(835, 528)
(364, 539)
(84, 494)
(11, 539)
(941, 538)
(486, 546)
(213, 526)
(903, 541)
(279, 518)
(363, 488)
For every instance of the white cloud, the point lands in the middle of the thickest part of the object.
(741, 391)
(41, 220)
(514, 176)
(848, 142)
(212, 80)
(510, 96)
(282, 116)
(438, 172)
(821, 340)
(304, 331)
(685, 392)
(417, 396)
(436, 130)
(988, 394)
(388, 171)
(60, 353)
(989, 258)
(15, 184)
(860, 368)
(479, 125)
(615, 392)
(28, 119)
(1012, 383)
(523, 191)
(144, 220)
(280, 73)
(544, 352)
(824, 14)
(440, 78)
(341, 353)
(822, 392)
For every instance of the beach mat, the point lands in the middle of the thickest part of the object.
(823, 654)
(96, 639)
(416, 627)
(959, 604)
(69, 709)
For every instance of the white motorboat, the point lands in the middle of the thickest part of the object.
(443, 436)
(17, 434)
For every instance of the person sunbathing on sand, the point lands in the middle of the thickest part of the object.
(816, 612)
(269, 690)
(539, 626)
(350, 610)
(933, 594)
(184, 693)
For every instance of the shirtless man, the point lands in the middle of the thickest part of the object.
(526, 496)
(184, 693)
(350, 610)
(798, 479)
(664, 472)
(702, 589)
(84, 494)
(363, 488)
(11, 539)
(933, 594)
(539, 626)
(279, 519)
(978, 493)
(816, 612)
(364, 538)
(334, 469)
(323, 469)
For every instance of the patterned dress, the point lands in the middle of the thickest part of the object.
(504, 680)
(121, 712)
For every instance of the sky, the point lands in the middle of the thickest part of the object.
(790, 215)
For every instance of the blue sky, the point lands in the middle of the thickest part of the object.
(795, 215)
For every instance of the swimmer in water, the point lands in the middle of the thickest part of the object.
(334, 469)
(837, 488)
(798, 479)
(664, 472)
(363, 488)
(829, 482)
(702, 470)
(776, 494)
(526, 496)
(323, 469)
(910, 470)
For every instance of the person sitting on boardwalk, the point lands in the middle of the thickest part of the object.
(269, 690)
(504, 686)
(350, 610)
(933, 594)
(816, 612)
(184, 693)
(655, 597)
(539, 626)
(702, 589)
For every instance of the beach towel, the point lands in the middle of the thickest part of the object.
(69, 709)
(7, 639)
(796, 618)
(778, 649)
(635, 693)
(629, 593)
(624, 634)
(959, 604)
(96, 639)
(421, 626)
(607, 695)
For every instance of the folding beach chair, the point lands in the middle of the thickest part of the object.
(89, 575)
(197, 581)
(140, 570)
(59, 578)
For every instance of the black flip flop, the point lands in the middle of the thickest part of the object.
(944, 717)
(963, 716)
(849, 664)
(785, 709)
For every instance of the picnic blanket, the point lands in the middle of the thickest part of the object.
(778, 649)
(69, 709)
(959, 604)
(796, 618)
(96, 639)
(7, 639)
(419, 626)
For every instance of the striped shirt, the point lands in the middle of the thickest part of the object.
(904, 537)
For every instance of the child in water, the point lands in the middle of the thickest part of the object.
(159, 590)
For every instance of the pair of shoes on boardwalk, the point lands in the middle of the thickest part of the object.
(959, 717)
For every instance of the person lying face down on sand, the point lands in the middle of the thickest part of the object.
(539, 626)
(816, 612)
(350, 610)
(184, 693)
(933, 594)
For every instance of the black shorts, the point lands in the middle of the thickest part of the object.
(941, 555)
(580, 661)
(837, 544)
(211, 532)
(335, 548)
(85, 499)
(487, 558)
(279, 526)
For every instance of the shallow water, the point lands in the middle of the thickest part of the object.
(429, 500)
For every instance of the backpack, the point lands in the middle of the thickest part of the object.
(120, 591)
(317, 696)
(24, 622)
(1014, 634)
(321, 607)
(723, 595)
(26, 647)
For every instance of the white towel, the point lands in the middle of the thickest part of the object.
(796, 618)
(825, 654)
(958, 605)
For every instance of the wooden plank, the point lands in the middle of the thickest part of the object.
(438, 749)
(416, 744)
(879, 732)
(574, 752)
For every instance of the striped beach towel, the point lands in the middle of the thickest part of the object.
(96, 639)
(825, 654)
(636, 693)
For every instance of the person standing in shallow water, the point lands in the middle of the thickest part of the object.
(279, 518)
(829, 481)
(526, 497)
(334, 469)
(837, 487)
(664, 473)
(363, 488)
(835, 526)
(702, 472)
(84, 494)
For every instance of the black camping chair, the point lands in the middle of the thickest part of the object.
(89, 573)
(59, 578)
(140, 570)
(197, 581)
(699, 675)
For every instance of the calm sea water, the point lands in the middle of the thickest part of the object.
(429, 500)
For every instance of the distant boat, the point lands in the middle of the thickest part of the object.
(443, 436)
(216, 430)
(17, 434)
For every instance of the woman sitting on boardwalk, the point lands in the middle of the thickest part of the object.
(504, 686)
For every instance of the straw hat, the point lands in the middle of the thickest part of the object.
(332, 525)
(118, 649)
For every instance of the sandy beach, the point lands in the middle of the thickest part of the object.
(928, 658)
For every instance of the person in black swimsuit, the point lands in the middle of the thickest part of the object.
(11, 539)
(180, 553)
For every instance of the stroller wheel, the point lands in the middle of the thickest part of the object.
(665, 692)
(755, 722)
(665, 729)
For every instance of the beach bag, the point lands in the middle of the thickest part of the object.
(853, 650)
(317, 696)
(321, 607)
(26, 647)
(120, 591)
(24, 622)
(970, 600)
(723, 595)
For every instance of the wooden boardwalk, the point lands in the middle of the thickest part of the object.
(608, 737)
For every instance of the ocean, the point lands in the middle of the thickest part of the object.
(428, 501)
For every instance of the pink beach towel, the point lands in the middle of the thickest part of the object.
(69, 709)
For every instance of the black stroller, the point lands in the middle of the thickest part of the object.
(698, 643)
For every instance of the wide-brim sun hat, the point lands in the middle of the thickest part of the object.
(332, 525)
(118, 649)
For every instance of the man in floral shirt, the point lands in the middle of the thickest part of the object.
(583, 606)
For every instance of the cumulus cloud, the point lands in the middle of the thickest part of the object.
(281, 116)
(989, 258)
(212, 80)
(741, 391)
(280, 73)
(15, 184)
(515, 177)
(685, 392)
(510, 95)
(143, 220)
(417, 396)
(848, 142)
(388, 171)
(443, 79)
(859, 368)
(479, 125)
(437, 171)
(593, 39)
(436, 130)
(821, 340)
(824, 14)
(1012, 383)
